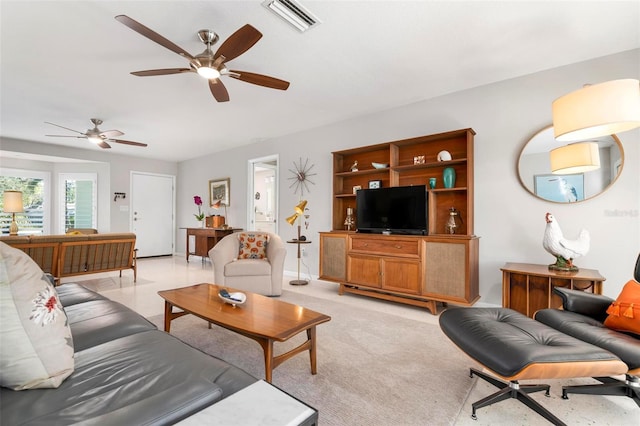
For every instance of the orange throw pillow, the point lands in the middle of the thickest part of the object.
(624, 313)
(253, 245)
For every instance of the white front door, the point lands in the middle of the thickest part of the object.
(152, 213)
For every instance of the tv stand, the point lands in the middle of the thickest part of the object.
(419, 270)
(409, 269)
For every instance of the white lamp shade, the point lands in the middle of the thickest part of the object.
(12, 202)
(597, 110)
(575, 158)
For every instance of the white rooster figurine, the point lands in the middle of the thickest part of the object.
(563, 249)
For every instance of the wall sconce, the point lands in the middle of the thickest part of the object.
(118, 195)
(575, 158)
(597, 110)
(12, 202)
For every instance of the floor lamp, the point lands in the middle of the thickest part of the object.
(299, 211)
(12, 202)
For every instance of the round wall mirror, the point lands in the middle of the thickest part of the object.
(534, 169)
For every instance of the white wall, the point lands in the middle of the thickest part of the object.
(509, 220)
(113, 175)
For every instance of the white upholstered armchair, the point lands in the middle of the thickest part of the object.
(262, 276)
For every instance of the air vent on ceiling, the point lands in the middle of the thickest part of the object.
(292, 12)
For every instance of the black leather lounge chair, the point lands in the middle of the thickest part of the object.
(582, 317)
(515, 347)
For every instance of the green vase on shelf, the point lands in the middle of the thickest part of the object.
(449, 177)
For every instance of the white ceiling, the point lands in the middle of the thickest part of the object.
(68, 61)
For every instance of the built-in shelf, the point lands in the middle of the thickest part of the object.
(403, 171)
(415, 270)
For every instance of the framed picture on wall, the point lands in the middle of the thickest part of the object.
(219, 189)
(560, 188)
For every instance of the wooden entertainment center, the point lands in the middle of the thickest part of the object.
(412, 269)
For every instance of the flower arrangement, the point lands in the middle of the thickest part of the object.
(198, 201)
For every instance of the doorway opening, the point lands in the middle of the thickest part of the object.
(262, 205)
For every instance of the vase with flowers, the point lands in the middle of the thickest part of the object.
(200, 216)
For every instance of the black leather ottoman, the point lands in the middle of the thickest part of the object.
(514, 347)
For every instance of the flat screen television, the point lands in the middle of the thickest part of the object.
(394, 210)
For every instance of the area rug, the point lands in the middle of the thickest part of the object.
(373, 368)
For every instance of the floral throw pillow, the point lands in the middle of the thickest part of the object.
(253, 245)
(624, 312)
(36, 348)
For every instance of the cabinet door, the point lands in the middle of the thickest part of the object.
(401, 275)
(333, 257)
(445, 271)
(363, 270)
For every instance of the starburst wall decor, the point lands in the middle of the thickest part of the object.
(300, 176)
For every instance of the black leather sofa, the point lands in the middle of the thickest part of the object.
(582, 317)
(126, 372)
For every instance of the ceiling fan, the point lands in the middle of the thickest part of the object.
(97, 136)
(208, 64)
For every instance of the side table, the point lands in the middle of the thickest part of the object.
(528, 287)
(299, 243)
(205, 239)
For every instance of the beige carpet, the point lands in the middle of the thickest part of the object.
(377, 368)
(373, 368)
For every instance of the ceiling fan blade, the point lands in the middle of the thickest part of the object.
(62, 127)
(103, 145)
(218, 90)
(153, 36)
(67, 136)
(128, 142)
(259, 79)
(163, 71)
(239, 42)
(111, 133)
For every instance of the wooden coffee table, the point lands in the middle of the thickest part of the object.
(263, 319)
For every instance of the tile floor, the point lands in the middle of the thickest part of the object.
(163, 273)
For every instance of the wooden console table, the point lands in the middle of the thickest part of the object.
(206, 238)
(527, 287)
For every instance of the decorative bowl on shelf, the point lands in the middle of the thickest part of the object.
(380, 165)
(234, 299)
(444, 156)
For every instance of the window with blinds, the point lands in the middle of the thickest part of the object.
(80, 200)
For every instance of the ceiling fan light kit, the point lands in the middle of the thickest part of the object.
(208, 64)
(208, 73)
(293, 13)
(97, 136)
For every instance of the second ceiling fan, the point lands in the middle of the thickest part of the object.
(208, 64)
